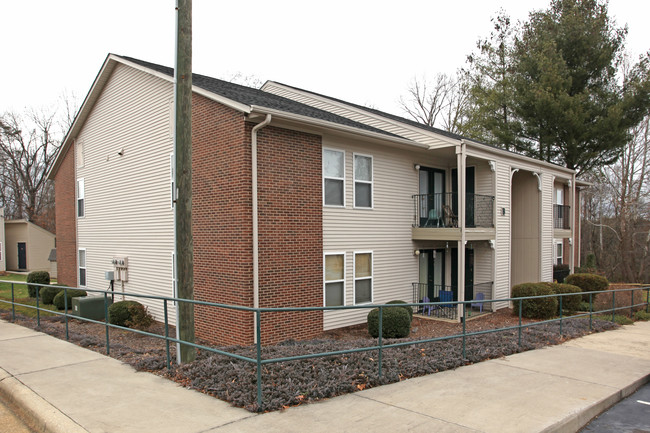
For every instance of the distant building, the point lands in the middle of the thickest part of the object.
(27, 246)
(3, 262)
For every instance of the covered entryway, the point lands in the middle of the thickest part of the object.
(525, 228)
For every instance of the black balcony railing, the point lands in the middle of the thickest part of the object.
(561, 216)
(440, 294)
(440, 210)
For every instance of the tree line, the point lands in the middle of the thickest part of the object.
(560, 87)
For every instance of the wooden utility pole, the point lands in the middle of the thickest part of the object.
(183, 172)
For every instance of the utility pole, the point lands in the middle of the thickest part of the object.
(183, 172)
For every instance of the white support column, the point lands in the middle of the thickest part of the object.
(461, 158)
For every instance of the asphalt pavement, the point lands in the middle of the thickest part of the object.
(631, 415)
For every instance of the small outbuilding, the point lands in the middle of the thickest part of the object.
(27, 246)
(3, 266)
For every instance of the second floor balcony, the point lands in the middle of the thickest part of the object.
(441, 210)
(561, 217)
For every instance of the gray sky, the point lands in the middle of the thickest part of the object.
(364, 52)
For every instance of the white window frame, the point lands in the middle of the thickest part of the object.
(371, 182)
(79, 267)
(81, 195)
(557, 242)
(325, 281)
(371, 277)
(333, 178)
(559, 195)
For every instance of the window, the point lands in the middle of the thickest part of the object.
(81, 208)
(559, 252)
(333, 177)
(334, 280)
(559, 195)
(82, 267)
(362, 181)
(362, 278)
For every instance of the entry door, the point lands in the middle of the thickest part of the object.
(22, 255)
(469, 273)
(432, 273)
(432, 188)
(469, 196)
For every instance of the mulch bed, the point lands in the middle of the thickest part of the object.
(297, 382)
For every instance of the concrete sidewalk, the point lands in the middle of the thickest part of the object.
(69, 389)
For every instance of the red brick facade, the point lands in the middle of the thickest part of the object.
(66, 220)
(290, 226)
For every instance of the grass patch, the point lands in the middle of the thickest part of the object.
(20, 296)
(618, 318)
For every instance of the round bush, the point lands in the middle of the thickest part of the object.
(396, 322)
(38, 277)
(542, 308)
(59, 299)
(47, 294)
(569, 303)
(588, 283)
(119, 313)
(408, 309)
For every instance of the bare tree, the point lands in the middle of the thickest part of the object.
(28, 147)
(439, 103)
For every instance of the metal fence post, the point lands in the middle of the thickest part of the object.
(13, 304)
(520, 306)
(169, 362)
(591, 310)
(108, 344)
(631, 304)
(613, 305)
(38, 310)
(65, 312)
(647, 300)
(381, 334)
(258, 343)
(560, 314)
(464, 327)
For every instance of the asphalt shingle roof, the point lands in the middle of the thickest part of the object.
(250, 96)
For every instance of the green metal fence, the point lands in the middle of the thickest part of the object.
(379, 346)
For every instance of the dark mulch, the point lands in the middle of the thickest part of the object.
(296, 382)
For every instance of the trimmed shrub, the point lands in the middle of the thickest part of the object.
(38, 277)
(396, 322)
(47, 294)
(120, 312)
(569, 303)
(588, 283)
(560, 272)
(59, 299)
(408, 309)
(642, 315)
(542, 308)
(140, 317)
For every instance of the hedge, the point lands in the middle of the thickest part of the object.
(588, 283)
(47, 294)
(569, 303)
(59, 299)
(396, 322)
(542, 308)
(38, 277)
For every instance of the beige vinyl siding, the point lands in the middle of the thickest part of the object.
(385, 230)
(38, 244)
(127, 198)
(358, 115)
(546, 239)
(484, 178)
(483, 267)
(502, 241)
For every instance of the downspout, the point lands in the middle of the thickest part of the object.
(256, 249)
(572, 257)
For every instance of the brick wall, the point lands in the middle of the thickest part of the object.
(290, 226)
(66, 220)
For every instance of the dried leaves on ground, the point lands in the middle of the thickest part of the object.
(291, 383)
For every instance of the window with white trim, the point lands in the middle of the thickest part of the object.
(81, 196)
(362, 277)
(333, 177)
(363, 181)
(559, 252)
(334, 280)
(559, 195)
(82, 267)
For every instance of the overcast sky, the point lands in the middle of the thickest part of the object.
(364, 52)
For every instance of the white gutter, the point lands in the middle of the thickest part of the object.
(256, 249)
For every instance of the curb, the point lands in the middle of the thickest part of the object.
(41, 415)
(578, 420)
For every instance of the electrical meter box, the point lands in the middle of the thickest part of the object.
(90, 307)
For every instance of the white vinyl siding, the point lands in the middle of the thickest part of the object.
(129, 214)
(559, 252)
(502, 241)
(546, 229)
(386, 231)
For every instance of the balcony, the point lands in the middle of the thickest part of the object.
(561, 217)
(423, 292)
(436, 216)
